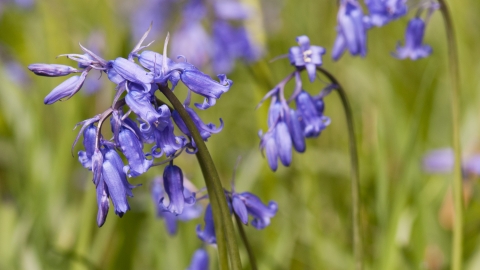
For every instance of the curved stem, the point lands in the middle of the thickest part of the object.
(355, 178)
(221, 214)
(248, 247)
(453, 65)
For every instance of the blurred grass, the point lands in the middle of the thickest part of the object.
(47, 202)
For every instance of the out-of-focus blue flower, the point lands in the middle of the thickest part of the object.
(442, 161)
(306, 56)
(351, 30)
(189, 212)
(312, 120)
(208, 233)
(253, 205)
(414, 48)
(198, 52)
(277, 141)
(382, 12)
(173, 183)
(231, 43)
(199, 260)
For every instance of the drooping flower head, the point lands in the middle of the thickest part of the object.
(382, 12)
(288, 127)
(414, 47)
(199, 260)
(351, 30)
(137, 118)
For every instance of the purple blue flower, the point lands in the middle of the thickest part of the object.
(306, 56)
(173, 183)
(351, 30)
(260, 212)
(382, 12)
(199, 260)
(414, 48)
(208, 233)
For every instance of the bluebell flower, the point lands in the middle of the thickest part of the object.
(261, 213)
(351, 30)
(173, 183)
(52, 70)
(89, 136)
(312, 120)
(382, 12)
(189, 212)
(277, 141)
(198, 52)
(115, 179)
(232, 42)
(414, 48)
(199, 260)
(167, 142)
(102, 202)
(239, 208)
(66, 89)
(140, 103)
(306, 56)
(208, 233)
(132, 149)
(205, 130)
(133, 72)
(202, 84)
(297, 132)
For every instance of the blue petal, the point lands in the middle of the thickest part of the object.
(202, 84)
(85, 157)
(52, 70)
(199, 260)
(116, 188)
(102, 202)
(284, 143)
(239, 208)
(132, 149)
(173, 183)
(208, 234)
(66, 89)
(296, 132)
(133, 72)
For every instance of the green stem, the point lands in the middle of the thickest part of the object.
(243, 235)
(355, 178)
(221, 214)
(455, 98)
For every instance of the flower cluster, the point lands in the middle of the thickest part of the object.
(243, 205)
(153, 124)
(225, 41)
(353, 25)
(289, 127)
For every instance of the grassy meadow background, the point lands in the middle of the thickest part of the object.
(402, 110)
